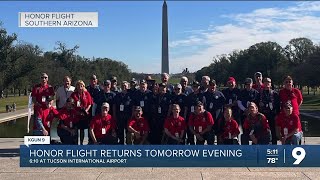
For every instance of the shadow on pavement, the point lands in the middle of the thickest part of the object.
(10, 152)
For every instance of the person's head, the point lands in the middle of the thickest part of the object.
(184, 81)
(227, 113)
(155, 89)
(44, 78)
(133, 83)
(137, 112)
(288, 82)
(258, 77)
(67, 81)
(164, 77)
(195, 86)
(205, 81)
(231, 83)
(162, 88)
(175, 109)
(93, 80)
(80, 86)
(143, 85)
(113, 80)
(267, 83)
(253, 108)
(288, 108)
(70, 103)
(107, 85)
(213, 85)
(177, 89)
(124, 85)
(148, 78)
(248, 83)
(105, 108)
(199, 107)
(49, 101)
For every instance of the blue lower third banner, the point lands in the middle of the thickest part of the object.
(169, 156)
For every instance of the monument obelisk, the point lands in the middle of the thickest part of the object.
(165, 49)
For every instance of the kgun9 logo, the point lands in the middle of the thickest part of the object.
(299, 154)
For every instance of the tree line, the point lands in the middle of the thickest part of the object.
(21, 64)
(300, 58)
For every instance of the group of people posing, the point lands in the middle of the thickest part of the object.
(149, 113)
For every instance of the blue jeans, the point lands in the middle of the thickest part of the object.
(295, 139)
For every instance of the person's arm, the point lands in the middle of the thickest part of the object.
(93, 137)
(207, 129)
(299, 97)
(241, 106)
(170, 135)
(144, 138)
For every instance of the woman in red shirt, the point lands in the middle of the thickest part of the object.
(83, 102)
(229, 128)
(174, 127)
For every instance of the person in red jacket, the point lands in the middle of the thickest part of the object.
(256, 127)
(229, 128)
(138, 128)
(103, 127)
(42, 125)
(83, 102)
(174, 127)
(40, 92)
(289, 126)
(200, 124)
(291, 95)
(67, 129)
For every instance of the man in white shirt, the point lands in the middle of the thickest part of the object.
(64, 92)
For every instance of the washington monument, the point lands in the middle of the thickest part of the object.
(165, 49)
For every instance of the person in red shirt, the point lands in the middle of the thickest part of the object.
(291, 95)
(103, 127)
(289, 126)
(138, 128)
(83, 102)
(42, 125)
(39, 94)
(256, 127)
(229, 128)
(200, 124)
(67, 129)
(174, 127)
(258, 82)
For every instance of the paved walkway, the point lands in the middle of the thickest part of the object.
(4, 117)
(9, 169)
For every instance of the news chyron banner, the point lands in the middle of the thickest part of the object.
(169, 156)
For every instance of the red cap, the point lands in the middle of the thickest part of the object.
(232, 79)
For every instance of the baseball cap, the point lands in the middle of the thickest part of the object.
(93, 77)
(178, 86)
(248, 81)
(212, 82)
(143, 81)
(49, 98)
(105, 104)
(162, 85)
(199, 103)
(113, 79)
(266, 80)
(137, 108)
(257, 74)
(107, 82)
(133, 80)
(232, 79)
(195, 83)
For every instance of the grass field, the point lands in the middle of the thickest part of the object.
(311, 102)
(21, 102)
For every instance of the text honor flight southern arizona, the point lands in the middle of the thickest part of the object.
(126, 153)
(54, 19)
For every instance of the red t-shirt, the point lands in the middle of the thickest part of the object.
(291, 122)
(81, 100)
(294, 96)
(40, 92)
(201, 121)
(141, 125)
(102, 125)
(253, 122)
(69, 118)
(256, 87)
(175, 125)
(231, 127)
(46, 116)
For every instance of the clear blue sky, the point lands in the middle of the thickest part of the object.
(131, 31)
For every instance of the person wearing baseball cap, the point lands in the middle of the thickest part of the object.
(133, 86)
(247, 95)
(138, 128)
(181, 99)
(289, 126)
(269, 105)
(103, 127)
(255, 127)
(106, 95)
(114, 87)
(174, 127)
(258, 82)
(232, 94)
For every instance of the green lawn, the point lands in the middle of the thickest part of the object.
(311, 102)
(21, 102)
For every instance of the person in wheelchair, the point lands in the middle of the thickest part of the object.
(174, 127)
